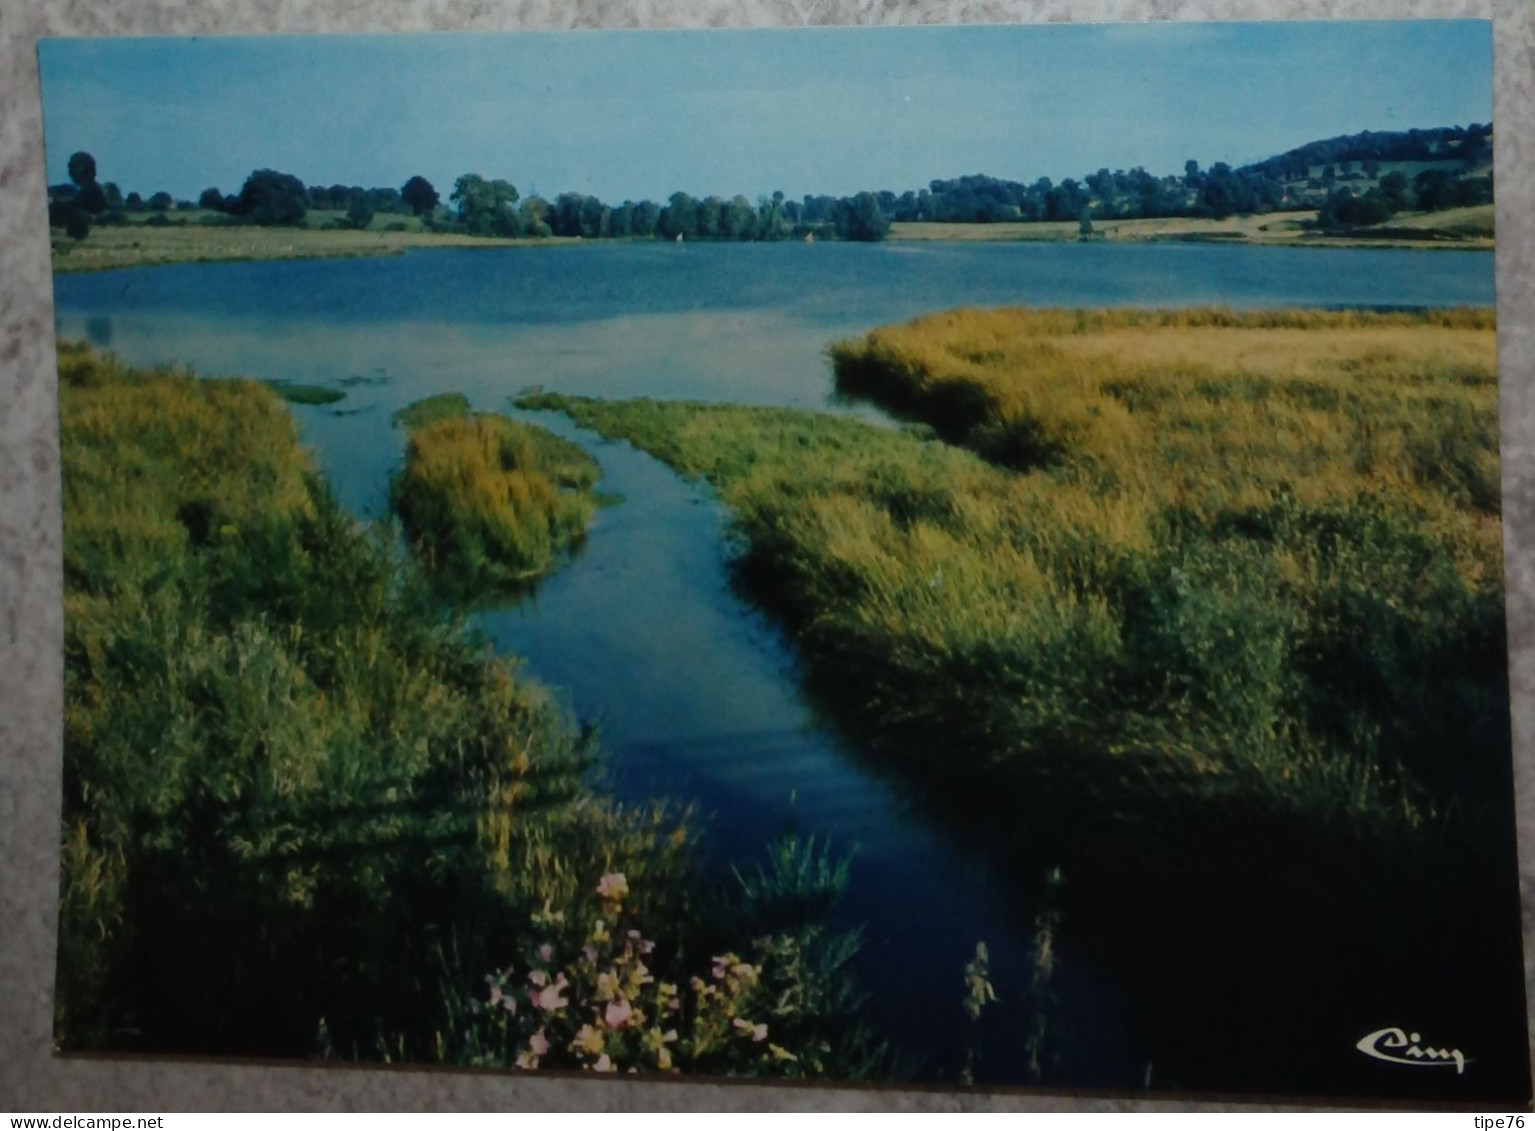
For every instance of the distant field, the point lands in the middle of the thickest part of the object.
(1174, 227)
(926, 230)
(1475, 221)
(1461, 227)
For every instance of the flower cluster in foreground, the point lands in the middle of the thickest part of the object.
(601, 1006)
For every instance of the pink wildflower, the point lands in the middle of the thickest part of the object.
(613, 885)
(616, 1016)
(604, 1064)
(758, 1032)
(538, 1044)
(538, 977)
(552, 997)
(546, 952)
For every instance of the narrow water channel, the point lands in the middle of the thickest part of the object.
(697, 698)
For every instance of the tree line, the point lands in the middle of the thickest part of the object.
(482, 207)
(495, 208)
(1315, 175)
(1118, 195)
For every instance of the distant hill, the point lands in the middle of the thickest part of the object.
(1443, 167)
(1447, 146)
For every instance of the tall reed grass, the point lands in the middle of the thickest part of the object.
(299, 800)
(1204, 607)
(1269, 542)
(489, 503)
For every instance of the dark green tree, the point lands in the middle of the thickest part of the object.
(1223, 193)
(709, 216)
(860, 218)
(1394, 188)
(92, 198)
(271, 198)
(680, 217)
(419, 194)
(647, 215)
(486, 208)
(82, 168)
(1435, 190)
(358, 213)
(533, 218)
(740, 219)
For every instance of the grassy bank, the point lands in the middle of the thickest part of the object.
(306, 814)
(138, 245)
(1205, 608)
(1456, 228)
(489, 503)
(1276, 531)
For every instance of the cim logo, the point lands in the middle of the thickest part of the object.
(1397, 1046)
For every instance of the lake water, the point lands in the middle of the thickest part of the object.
(696, 694)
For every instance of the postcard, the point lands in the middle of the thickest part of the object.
(949, 556)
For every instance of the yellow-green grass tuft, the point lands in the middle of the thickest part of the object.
(305, 394)
(490, 503)
(429, 410)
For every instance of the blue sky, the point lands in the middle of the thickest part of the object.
(642, 114)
